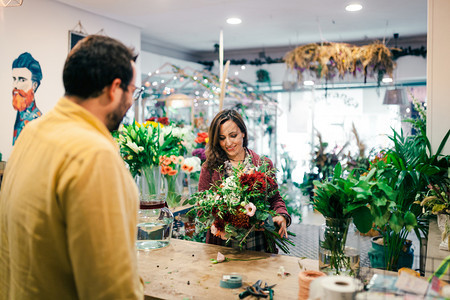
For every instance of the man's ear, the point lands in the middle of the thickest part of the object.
(115, 91)
(34, 86)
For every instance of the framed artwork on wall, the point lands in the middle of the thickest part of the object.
(75, 37)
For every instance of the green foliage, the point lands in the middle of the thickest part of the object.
(409, 169)
(343, 198)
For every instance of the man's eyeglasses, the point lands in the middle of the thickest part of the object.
(137, 92)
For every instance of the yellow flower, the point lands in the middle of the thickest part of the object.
(207, 140)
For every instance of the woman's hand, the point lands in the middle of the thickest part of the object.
(281, 221)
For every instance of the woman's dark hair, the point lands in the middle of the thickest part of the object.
(94, 63)
(215, 156)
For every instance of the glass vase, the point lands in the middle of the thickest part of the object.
(149, 184)
(192, 183)
(173, 188)
(155, 223)
(155, 220)
(339, 247)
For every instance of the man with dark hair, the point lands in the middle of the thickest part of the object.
(27, 76)
(68, 205)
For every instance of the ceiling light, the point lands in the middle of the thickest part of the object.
(387, 80)
(234, 21)
(308, 82)
(353, 7)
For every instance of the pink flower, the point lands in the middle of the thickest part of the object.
(251, 209)
(214, 229)
(220, 257)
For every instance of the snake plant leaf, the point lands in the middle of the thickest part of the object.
(362, 218)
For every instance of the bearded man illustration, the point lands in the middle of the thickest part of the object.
(27, 76)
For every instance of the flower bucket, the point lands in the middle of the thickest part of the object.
(339, 246)
(377, 254)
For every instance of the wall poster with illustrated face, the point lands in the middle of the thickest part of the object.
(26, 76)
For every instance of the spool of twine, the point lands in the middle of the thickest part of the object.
(304, 280)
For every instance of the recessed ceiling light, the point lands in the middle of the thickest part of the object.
(353, 7)
(308, 82)
(234, 21)
(387, 80)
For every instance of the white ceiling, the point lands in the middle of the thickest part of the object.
(193, 26)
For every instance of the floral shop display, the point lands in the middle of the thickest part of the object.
(139, 147)
(154, 154)
(239, 205)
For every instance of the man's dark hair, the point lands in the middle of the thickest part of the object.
(94, 63)
(25, 60)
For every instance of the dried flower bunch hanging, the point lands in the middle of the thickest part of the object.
(330, 59)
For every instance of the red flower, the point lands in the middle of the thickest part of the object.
(201, 136)
(257, 181)
(164, 120)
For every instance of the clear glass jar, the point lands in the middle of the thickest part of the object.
(154, 228)
(339, 247)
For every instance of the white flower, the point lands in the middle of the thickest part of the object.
(230, 183)
(193, 164)
(134, 147)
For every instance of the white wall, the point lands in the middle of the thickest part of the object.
(151, 62)
(41, 27)
(438, 87)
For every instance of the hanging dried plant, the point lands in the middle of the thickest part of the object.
(329, 59)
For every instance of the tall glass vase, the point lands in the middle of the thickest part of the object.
(155, 220)
(149, 183)
(339, 247)
(173, 188)
(192, 183)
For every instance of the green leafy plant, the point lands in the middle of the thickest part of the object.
(343, 198)
(409, 169)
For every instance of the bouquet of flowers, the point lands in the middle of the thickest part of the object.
(139, 145)
(239, 205)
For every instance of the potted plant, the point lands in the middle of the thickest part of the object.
(436, 201)
(342, 201)
(408, 168)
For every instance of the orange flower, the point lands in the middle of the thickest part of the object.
(173, 158)
(172, 172)
(167, 161)
(166, 169)
(163, 171)
(185, 167)
(190, 168)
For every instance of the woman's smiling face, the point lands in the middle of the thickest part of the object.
(231, 140)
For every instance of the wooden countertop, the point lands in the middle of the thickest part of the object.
(183, 270)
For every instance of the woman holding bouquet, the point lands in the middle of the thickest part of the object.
(227, 149)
